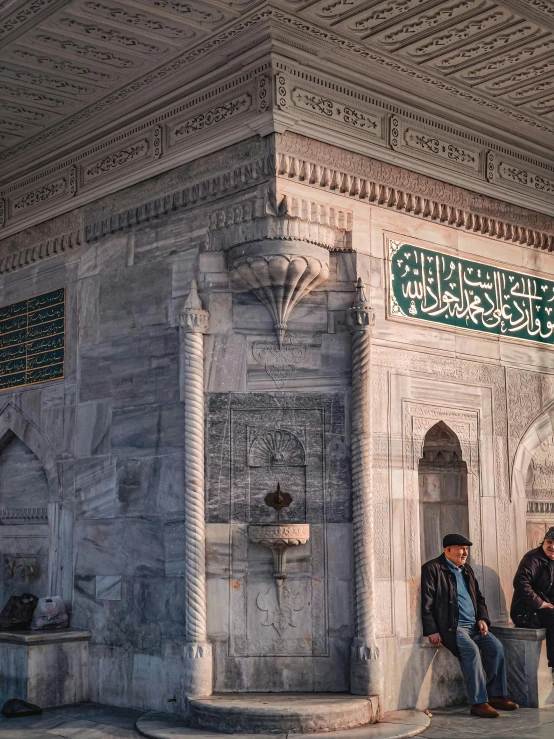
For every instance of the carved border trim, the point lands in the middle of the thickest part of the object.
(40, 251)
(386, 192)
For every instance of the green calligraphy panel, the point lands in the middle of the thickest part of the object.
(32, 340)
(442, 288)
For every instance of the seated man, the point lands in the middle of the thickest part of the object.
(454, 613)
(532, 604)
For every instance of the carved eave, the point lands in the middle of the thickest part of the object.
(467, 97)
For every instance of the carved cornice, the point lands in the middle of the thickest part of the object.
(296, 218)
(274, 95)
(356, 176)
(15, 258)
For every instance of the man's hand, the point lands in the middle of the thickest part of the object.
(546, 605)
(435, 639)
(483, 628)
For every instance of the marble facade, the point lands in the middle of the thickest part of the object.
(108, 441)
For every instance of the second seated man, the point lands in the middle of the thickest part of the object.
(454, 613)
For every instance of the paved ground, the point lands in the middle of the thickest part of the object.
(83, 721)
(456, 723)
(92, 721)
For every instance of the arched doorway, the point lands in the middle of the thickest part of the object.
(443, 490)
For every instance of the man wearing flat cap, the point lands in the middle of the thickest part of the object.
(533, 601)
(454, 613)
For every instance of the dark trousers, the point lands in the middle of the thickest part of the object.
(546, 620)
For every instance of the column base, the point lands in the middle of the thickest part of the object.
(197, 679)
(366, 671)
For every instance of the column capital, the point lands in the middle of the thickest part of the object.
(361, 317)
(194, 319)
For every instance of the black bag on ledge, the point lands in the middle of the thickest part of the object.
(18, 611)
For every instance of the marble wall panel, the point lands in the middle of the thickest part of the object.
(133, 298)
(95, 487)
(147, 431)
(129, 546)
(135, 370)
(93, 422)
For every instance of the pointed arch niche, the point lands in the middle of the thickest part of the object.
(31, 515)
(443, 489)
(533, 481)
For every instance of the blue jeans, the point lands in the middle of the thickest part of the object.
(482, 662)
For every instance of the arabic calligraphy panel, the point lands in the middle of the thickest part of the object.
(436, 286)
(32, 338)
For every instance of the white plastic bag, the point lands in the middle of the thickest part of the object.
(50, 613)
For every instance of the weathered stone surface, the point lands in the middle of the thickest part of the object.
(132, 299)
(30, 659)
(146, 431)
(95, 487)
(277, 714)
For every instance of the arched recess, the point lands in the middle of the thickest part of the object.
(15, 424)
(539, 431)
(443, 489)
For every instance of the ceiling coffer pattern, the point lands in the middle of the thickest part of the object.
(69, 67)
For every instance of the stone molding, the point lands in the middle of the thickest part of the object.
(292, 218)
(322, 167)
(353, 175)
(276, 95)
(26, 256)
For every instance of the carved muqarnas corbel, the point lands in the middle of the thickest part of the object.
(280, 250)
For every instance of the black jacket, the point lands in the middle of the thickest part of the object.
(534, 575)
(439, 600)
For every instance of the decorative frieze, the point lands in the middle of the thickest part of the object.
(116, 160)
(292, 218)
(66, 184)
(330, 109)
(434, 147)
(209, 118)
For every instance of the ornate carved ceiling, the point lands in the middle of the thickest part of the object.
(77, 74)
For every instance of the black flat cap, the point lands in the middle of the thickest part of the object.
(452, 540)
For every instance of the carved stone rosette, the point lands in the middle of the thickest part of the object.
(366, 671)
(197, 652)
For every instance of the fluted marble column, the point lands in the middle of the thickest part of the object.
(366, 672)
(197, 652)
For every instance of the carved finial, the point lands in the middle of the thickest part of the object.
(193, 317)
(361, 297)
(361, 317)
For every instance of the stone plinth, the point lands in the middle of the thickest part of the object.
(275, 713)
(529, 677)
(49, 668)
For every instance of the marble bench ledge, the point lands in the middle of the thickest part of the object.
(31, 638)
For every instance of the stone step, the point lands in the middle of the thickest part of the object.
(281, 713)
(395, 725)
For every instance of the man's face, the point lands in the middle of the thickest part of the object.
(548, 548)
(458, 554)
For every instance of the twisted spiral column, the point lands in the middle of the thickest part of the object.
(366, 667)
(197, 652)
(195, 542)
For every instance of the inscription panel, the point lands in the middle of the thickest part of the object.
(436, 286)
(32, 338)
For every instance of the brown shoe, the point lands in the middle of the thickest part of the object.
(502, 704)
(483, 710)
